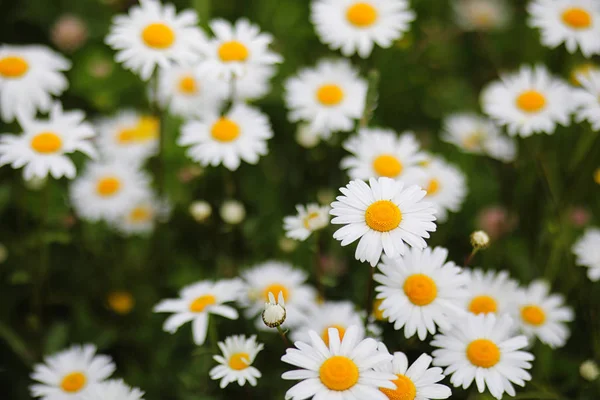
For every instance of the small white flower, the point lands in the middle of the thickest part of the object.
(310, 218)
(482, 15)
(141, 217)
(232, 212)
(589, 370)
(480, 239)
(490, 292)
(235, 364)
(274, 313)
(588, 99)
(114, 389)
(587, 251)
(200, 210)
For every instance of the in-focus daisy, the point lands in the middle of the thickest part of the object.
(153, 35)
(142, 216)
(528, 101)
(421, 290)
(71, 373)
(588, 99)
(329, 97)
(309, 219)
(490, 292)
(385, 215)
(482, 348)
(576, 23)
(241, 134)
(342, 370)
(235, 364)
(29, 77)
(587, 251)
(114, 389)
(543, 315)
(196, 302)
(43, 146)
(482, 15)
(355, 26)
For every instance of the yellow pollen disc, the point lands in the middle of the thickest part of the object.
(338, 373)
(483, 305)
(483, 353)
(140, 214)
(225, 130)
(533, 315)
(531, 101)
(361, 15)
(377, 311)
(148, 128)
(46, 142)
(187, 85)
(121, 302)
(126, 135)
(325, 334)
(383, 216)
(233, 51)
(577, 18)
(308, 218)
(405, 389)
(387, 165)
(200, 303)
(158, 36)
(239, 361)
(275, 288)
(420, 289)
(473, 141)
(597, 176)
(433, 187)
(330, 95)
(73, 382)
(108, 186)
(13, 67)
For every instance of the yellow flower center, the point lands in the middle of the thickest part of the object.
(13, 67)
(473, 141)
(121, 302)
(140, 214)
(239, 361)
(584, 69)
(275, 288)
(233, 51)
(108, 186)
(531, 101)
(577, 18)
(533, 315)
(309, 218)
(46, 142)
(383, 216)
(325, 333)
(225, 130)
(361, 15)
(377, 311)
(433, 187)
(126, 135)
(330, 95)
(338, 373)
(187, 85)
(483, 353)
(405, 389)
(420, 289)
(73, 382)
(200, 303)
(148, 128)
(387, 165)
(597, 176)
(483, 305)
(158, 36)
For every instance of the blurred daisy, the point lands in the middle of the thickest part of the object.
(587, 251)
(29, 77)
(543, 315)
(128, 136)
(576, 23)
(153, 35)
(588, 99)
(355, 26)
(329, 97)
(310, 218)
(235, 364)
(196, 302)
(482, 15)
(385, 215)
(482, 348)
(114, 389)
(71, 373)
(490, 292)
(421, 290)
(255, 84)
(342, 370)
(141, 217)
(241, 134)
(528, 101)
(43, 146)
(584, 69)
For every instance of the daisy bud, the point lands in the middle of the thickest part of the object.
(306, 137)
(3, 253)
(589, 370)
(274, 313)
(35, 183)
(287, 245)
(233, 212)
(120, 301)
(480, 240)
(200, 210)
(69, 33)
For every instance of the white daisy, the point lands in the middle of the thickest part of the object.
(196, 302)
(543, 315)
(29, 77)
(141, 217)
(385, 215)
(490, 292)
(152, 35)
(528, 101)
(576, 23)
(43, 146)
(587, 251)
(342, 370)
(355, 26)
(482, 15)
(235, 364)
(114, 389)
(588, 99)
(421, 290)
(482, 348)
(329, 97)
(71, 373)
(128, 136)
(241, 134)
(310, 218)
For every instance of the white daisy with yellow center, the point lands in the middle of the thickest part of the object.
(329, 97)
(588, 99)
(114, 389)
(310, 218)
(42, 148)
(235, 365)
(142, 216)
(196, 302)
(153, 35)
(482, 348)
(587, 251)
(482, 15)
(355, 26)
(576, 23)
(70, 374)
(341, 370)
(490, 292)
(240, 135)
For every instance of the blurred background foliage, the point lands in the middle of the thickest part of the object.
(55, 283)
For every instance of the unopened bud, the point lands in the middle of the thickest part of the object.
(589, 370)
(480, 240)
(274, 313)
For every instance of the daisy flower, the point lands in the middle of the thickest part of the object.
(482, 15)
(71, 373)
(576, 23)
(588, 99)
(421, 290)
(355, 26)
(584, 69)
(43, 146)
(153, 35)
(528, 101)
(543, 315)
(196, 302)
(235, 364)
(241, 134)
(329, 97)
(114, 389)
(490, 292)
(483, 349)
(587, 251)
(385, 215)
(309, 219)
(341, 370)
(141, 217)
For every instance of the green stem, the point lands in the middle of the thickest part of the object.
(369, 299)
(16, 344)
(282, 333)
(159, 114)
(470, 256)
(372, 98)
(317, 266)
(213, 334)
